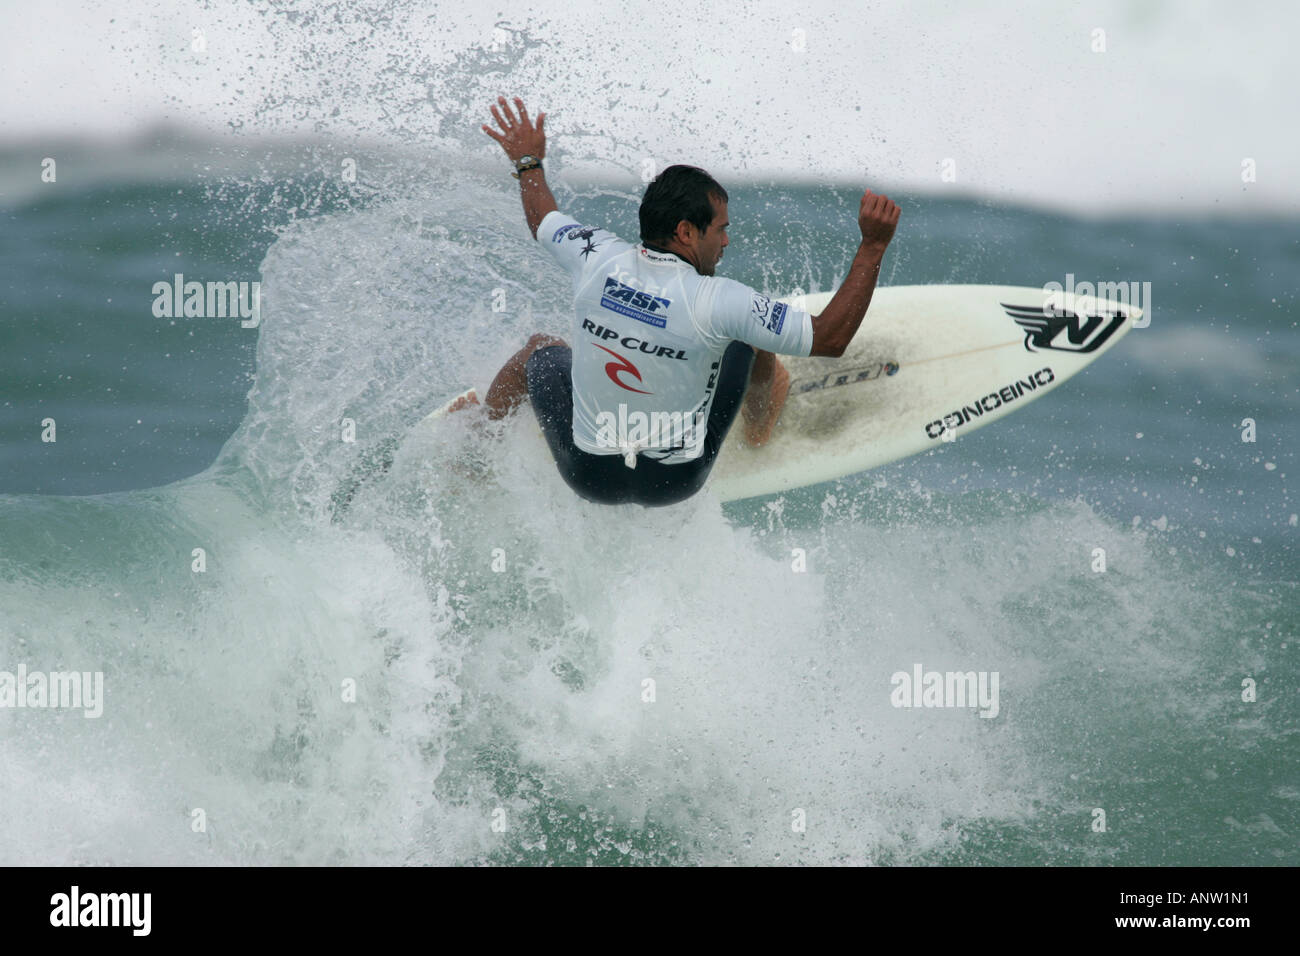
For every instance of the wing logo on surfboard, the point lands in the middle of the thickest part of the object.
(1043, 327)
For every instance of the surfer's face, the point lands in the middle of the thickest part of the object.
(713, 240)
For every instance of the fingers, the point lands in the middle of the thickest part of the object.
(505, 127)
(510, 125)
(505, 108)
(510, 119)
(878, 204)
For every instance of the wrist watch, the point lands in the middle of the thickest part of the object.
(525, 163)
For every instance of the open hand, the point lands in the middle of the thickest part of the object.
(518, 137)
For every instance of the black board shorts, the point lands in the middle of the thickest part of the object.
(605, 479)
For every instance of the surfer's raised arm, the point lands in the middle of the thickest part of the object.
(525, 144)
(834, 329)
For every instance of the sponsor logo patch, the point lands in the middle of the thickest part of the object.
(634, 303)
(658, 257)
(559, 233)
(770, 315)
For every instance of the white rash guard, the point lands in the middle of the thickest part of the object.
(648, 338)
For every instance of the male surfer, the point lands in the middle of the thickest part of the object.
(664, 350)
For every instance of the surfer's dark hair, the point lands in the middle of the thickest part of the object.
(679, 192)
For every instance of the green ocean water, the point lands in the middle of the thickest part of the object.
(498, 634)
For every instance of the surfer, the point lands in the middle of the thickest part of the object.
(665, 352)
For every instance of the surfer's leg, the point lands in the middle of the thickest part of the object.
(769, 384)
(510, 387)
(597, 478)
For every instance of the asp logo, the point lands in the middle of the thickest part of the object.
(634, 303)
(769, 314)
(1043, 327)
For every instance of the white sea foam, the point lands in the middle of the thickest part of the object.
(524, 689)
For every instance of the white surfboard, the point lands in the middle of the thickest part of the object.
(929, 364)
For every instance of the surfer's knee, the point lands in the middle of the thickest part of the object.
(540, 340)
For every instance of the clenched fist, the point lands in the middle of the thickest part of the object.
(877, 218)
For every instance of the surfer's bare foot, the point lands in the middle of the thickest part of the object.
(464, 401)
(769, 384)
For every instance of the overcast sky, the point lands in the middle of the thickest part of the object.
(1008, 98)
